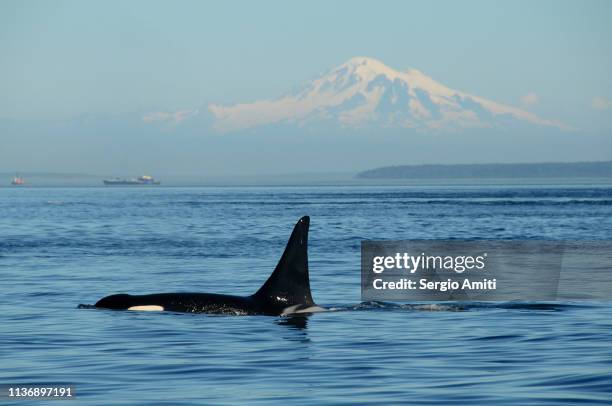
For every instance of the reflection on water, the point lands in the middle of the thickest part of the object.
(295, 322)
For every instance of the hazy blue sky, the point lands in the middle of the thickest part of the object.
(61, 58)
(65, 59)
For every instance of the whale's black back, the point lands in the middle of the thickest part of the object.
(288, 286)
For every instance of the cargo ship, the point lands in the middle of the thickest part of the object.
(141, 180)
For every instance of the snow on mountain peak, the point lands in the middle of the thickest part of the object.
(365, 92)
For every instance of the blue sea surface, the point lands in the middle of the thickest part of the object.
(60, 247)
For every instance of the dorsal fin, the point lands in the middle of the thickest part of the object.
(289, 284)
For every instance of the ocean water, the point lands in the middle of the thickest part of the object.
(60, 247)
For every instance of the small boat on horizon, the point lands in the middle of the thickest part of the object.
(141, 180)
(18, 181)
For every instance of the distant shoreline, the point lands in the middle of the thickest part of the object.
(574, 173)
(542, 170)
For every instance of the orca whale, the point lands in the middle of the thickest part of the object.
(287, 290)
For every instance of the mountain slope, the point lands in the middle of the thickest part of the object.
(364, 92)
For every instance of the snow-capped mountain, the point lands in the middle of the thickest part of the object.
(364, 92)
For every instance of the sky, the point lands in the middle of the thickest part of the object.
(62, 60)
